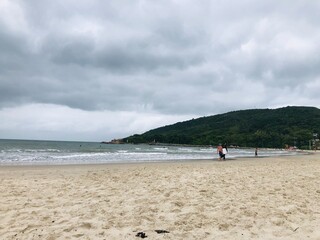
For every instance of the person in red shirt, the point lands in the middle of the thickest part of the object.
(220, 151)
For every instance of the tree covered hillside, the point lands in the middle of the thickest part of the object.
(246, 128)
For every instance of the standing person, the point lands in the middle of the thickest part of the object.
(220, 151)
(256, 152)
(224, 151)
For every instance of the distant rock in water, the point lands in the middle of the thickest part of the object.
(114, 141)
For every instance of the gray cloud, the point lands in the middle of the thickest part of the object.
(167, 57)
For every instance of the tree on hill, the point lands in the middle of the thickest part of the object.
(273, 128)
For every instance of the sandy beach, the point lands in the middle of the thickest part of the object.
(263, 198)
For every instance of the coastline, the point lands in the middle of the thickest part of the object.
(65, 153)
(257, 198)
(213, 157)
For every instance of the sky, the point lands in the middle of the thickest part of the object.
(99, 70)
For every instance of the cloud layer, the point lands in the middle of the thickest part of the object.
(172, 59)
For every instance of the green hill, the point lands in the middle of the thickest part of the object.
(246, 128)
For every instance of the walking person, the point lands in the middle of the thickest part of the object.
(224, 151)
(220, 151)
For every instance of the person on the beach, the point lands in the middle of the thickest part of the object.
(220, 151)
(256, 152)
(224, 151)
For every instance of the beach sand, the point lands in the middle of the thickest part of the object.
(258, 198)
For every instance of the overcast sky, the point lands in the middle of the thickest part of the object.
(98, 70)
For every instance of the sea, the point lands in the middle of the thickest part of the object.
(35, 152)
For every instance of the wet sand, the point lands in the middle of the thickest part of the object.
(262, 198)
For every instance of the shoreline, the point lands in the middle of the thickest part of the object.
(213, 159)
(160, 162)
(247, 198)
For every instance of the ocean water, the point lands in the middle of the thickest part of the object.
(29, 152)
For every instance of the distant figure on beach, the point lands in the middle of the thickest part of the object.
(220, 151)
(256, 152)
(224, 151)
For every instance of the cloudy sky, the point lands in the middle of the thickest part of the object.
(98, 70)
